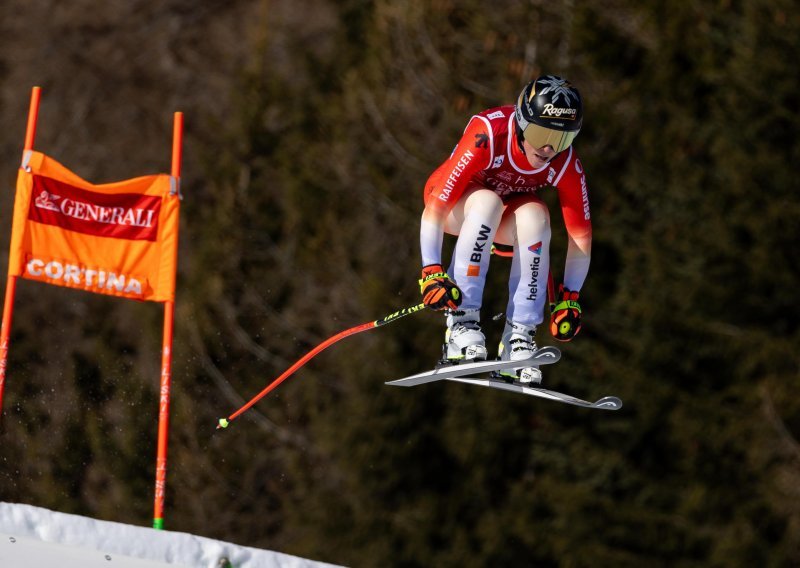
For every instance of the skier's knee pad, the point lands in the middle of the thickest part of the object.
(484, 204)
(533, 214)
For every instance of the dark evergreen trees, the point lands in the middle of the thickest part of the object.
(301, 219)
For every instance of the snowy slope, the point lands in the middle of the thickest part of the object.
(31, 537)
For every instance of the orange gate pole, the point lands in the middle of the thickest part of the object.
(166, 354)
(11, 282)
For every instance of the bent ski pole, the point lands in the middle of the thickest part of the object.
(224, 422)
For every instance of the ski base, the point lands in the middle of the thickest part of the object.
(544, 356)
(605, 403)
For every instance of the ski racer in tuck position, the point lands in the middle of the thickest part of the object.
(485, 193)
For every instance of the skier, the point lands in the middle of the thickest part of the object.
(485, 193)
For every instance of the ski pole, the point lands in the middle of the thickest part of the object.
(224, 422)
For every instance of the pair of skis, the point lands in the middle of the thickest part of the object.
(464, 373)
(455, 372)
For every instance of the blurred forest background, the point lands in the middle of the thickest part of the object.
(311, 129)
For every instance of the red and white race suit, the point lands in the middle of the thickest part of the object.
(487, 157)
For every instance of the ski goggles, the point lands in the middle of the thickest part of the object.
(539, 137)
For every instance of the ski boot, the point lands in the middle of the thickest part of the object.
(518, 343)
(463, 340)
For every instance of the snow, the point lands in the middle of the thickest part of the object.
(36, 537)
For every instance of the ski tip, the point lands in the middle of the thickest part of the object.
(552, 349)
(548, 354)
(608, 403)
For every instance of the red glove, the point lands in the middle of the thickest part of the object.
(438, 291)
(565, 315)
